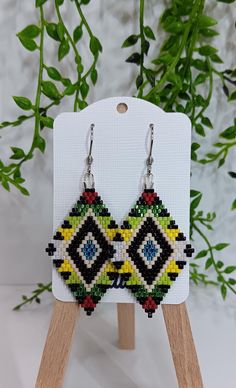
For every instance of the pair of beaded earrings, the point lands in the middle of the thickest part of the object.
(145, 254)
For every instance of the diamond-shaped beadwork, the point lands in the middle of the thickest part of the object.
(82, 250)
(152, 251)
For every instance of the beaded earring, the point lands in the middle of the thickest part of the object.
(81, 249)
(151, 251)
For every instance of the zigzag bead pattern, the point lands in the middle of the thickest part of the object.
(82, 251)
(147, 252)
(151, 251)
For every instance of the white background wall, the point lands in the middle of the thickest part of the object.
(26, 222)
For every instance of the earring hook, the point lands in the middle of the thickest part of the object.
(88, 176)
(148, 177)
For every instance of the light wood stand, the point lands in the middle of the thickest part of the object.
(59, 340)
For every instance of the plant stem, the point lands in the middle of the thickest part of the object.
(181, 48)
(208, 99)
(194, 226)
(66, 31)
(189, 50)
(224, 150)
(40, 77)
(77, 56)
(142, 40)
(83, 18)
(36, 294)
(16, 122)
(90, 33)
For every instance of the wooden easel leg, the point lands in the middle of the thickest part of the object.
(182, 346)
(58, 345)
(126, 325)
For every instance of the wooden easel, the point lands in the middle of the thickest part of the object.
(60, 334)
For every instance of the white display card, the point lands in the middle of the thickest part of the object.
(119, 151)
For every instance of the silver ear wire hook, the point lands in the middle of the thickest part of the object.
(148, 177)
(88, 176)
(150, 159)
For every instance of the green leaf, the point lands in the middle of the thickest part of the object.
(63, 50)
(232, 97)
(60, 30)
(215, 58)
(66, 81)
(194, 193)
(201, 254)
(195, 202)
(200, 79)
(206, 21)
(206, 121)
(221, 246)
(53, 73)
(23, 102)
(85, 2)
(195, 146)
(208, 263)
(221, 162)
(23, 190)
(174, 27)
(163, 58)
(80, 68)
(50, 90)
(77, 34)
(200, 130)
(130, 41)
(30, 32)
(18, 153)
(145, 46)
(95, 45)
(207, 50)
(39, 143)
(59, 2)
(233, 206)
(232, 281)
(19, 179)
(226, 1)
(94, 76)
(230, 269)
(229, 133)
(47, 121)
(232, 174)
(29, 44)
(84, 89)
(199, 64)
(51, 29)
(139, 81)
(150, 74)
(223, 291)
(134, 58)
(208, 32)
(149, 33)
(5, 183)
(70, 90)
(220, 264)
(199, 100)
(38, 3)
(82, 104)
(175, 79)
(218, 145)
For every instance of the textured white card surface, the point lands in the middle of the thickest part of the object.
(120, 150)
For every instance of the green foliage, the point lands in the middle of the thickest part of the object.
(41, 288)
(51, 83)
